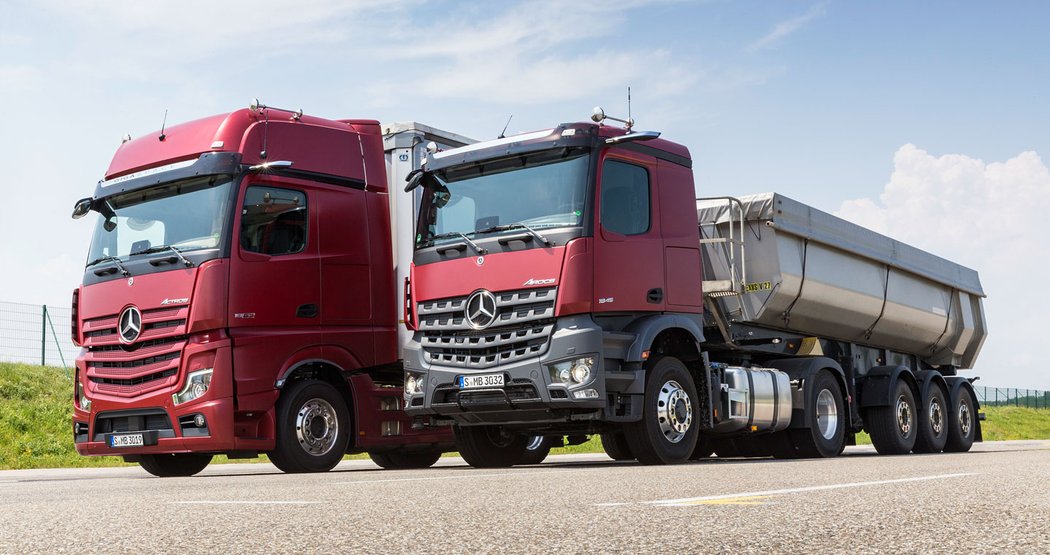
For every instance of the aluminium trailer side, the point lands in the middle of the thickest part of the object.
(775, 263)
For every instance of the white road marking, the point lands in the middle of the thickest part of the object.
(245, 502)
(468, 476)
(688, 501)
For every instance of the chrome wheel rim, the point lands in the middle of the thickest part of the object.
(964, 419)
(936, 413)
(674, 411)
(316, 427)
(827, 414)
(904, 416)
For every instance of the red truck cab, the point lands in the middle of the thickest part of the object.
(238, 299)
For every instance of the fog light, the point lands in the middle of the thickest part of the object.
(413, 383)
(197, 384)
(581, 370)
(585, 394)
(573, 372)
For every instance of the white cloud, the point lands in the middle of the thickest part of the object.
(784, 28)
(990, 217)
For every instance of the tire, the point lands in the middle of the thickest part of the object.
(313, 428)
(615, 445)
(175, 464)
(825, 433)
(962, 423)
(893, 429)
(667, 432)
(704, 448)
(933, 422)
(489, 446)
(400, 461)
(536, 450)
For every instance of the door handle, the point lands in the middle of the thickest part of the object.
(307, 311)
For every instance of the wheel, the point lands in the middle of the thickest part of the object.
(893, 428)
(313, 428)
(175, 464)
(489, 446)
(825, 432)
(704, 448)
(537, 449)
(394, 460)
(933, 422)
(667, 432)
(615, 445)
(962, 423)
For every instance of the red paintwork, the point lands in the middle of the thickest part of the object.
(497, 272)
(345, 269)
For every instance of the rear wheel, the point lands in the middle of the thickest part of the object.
(962, 423)
(893, 428)
(396, 461)
(933, 422)
(667, 432)
(825, 434)
(313, 428)
(489, 446)
(615, 445)
(174, 464)
(537, 449)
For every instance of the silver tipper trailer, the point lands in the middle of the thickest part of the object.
(791, 291)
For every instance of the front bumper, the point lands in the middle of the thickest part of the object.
(528, 395)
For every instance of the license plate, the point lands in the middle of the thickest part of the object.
(482, 380)
(127, 440)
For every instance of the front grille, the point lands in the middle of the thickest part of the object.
(136, 363)
(133, 381)
(136, 420)
(522, 328)
(149, 364)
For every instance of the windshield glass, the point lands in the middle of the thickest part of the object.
(541, 191)
(188, 215)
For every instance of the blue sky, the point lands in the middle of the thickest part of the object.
(923, 120)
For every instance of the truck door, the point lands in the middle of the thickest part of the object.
(629, 257)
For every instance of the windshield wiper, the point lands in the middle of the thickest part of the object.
(518, 225)
(472, 244)
(162, 248)
(112, 259)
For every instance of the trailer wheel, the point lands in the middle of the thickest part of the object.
(399, 461)
(313, 428)
(962, 423)
(825, 435)
(537, 449)
(615, 445)
(893, 428)
(175, 464)
(489, 446)
(667, 432)
(933, 422)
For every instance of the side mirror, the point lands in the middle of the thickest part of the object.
(81, 208)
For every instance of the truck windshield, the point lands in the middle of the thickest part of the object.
(539, 191)
(188, 215)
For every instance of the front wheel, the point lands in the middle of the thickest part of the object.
(489, 446)
(313, 428)
(667, 432)
(537, 449)
(174, 464)
(399, 461)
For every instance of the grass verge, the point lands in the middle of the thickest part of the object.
(36, 411)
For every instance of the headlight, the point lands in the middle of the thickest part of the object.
(414, 383)
(197, 384)
(82, 398)
(573, 372)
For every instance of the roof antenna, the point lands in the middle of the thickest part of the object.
(503, 133)
(163, 125)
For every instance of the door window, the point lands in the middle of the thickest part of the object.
(625, 198)
(273, 221)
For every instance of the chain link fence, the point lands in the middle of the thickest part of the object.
(1013, 397)
(36, 334)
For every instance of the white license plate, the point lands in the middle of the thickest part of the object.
(482, 380)
(129, 440)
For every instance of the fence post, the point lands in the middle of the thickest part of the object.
(43, 335)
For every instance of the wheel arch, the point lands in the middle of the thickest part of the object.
(677, 330)
(329, 372)
(876, 388)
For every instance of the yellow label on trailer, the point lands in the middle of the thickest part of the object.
(760, 286)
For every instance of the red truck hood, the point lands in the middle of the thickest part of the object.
(498, 272)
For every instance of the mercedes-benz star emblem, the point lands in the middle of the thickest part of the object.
(129, 325)
(481, 309)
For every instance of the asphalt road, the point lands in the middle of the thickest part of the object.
(993, 499)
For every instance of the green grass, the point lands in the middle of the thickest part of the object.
(36, 411)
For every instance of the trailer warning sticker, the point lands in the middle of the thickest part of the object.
(760, 286)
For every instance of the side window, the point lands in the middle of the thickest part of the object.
(273, 221)
(625, 198)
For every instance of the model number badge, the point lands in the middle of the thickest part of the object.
(174, 301)
(534, 281)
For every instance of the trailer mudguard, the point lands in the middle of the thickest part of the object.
(802, 369)
(958, 385)
(647, 328)
(928, 379)
(876, 389)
